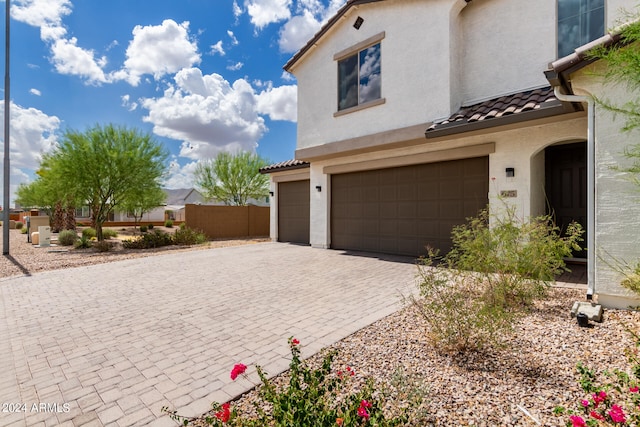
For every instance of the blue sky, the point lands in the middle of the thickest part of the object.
(202, 76)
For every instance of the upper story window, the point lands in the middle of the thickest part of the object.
(579, 22)
(359, 74)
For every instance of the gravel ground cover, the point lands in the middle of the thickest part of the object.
(519, 385)
(25, 258)
(533, 374)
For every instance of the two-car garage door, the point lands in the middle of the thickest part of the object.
(403, 209)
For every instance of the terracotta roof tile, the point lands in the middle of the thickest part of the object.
(500, 107)
(287, 164)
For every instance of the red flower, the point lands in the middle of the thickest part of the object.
(599, 397)
(238, 369)
(295, 342)
(634, 389)
(362, 412)
(617, 414)
(365, 404)
(596, 415)
(585, 403)
(339, 421)
(224, 414)
(577, 421)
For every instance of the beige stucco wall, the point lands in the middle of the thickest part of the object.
(617, 199)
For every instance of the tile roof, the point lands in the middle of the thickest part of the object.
(484, 113)
(286, 165)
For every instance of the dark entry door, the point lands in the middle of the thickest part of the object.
(566, 186)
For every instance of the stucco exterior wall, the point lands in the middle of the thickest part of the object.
(617, 199)
(416, 71)
(499, 56)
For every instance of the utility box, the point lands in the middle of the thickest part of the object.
(44, 234)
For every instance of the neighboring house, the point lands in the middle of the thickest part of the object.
(413, 115)
(173, 207)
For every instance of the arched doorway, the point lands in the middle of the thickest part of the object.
(566, 186)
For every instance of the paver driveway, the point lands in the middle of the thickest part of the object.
(111, 344)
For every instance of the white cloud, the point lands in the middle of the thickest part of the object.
(235, 67)
(217, 48)
(33, 133)
(126, 102)
(265, 12)
(279, 103)
(158, 50)
(70, 59)
(309, 18)
(40, 13)
(207, 113)
(297, 31)
(237, 10)
(288, 77)
(34, 91)
(180, 176)
(234, 40)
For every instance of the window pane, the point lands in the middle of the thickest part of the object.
(370, 74)
(568, 35)
(348, 82)
(593, 25)
(568, 8)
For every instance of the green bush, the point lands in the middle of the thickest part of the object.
(188, 236)
(23, 230)
(108, 233)
(168, 223)
(183, 226)
(89, 232)
(143, 228)
(473, 295)
(313, 397)
(19, 225)
(150, 226)
(149, 240)
(67, 237)
(83, 243)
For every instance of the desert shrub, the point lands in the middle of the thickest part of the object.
(472, 296)
(168, 223)
(150, 226)
(23, 230)
(89, 232)
(103, 246)
(189, 236)
(143, 228)
(149, 240)
(183, 226)
(109, 233)
(67, 237)
(83, 243)
(19, 225)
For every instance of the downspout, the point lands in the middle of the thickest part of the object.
(591, 185)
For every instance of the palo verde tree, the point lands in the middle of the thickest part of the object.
(142, 200)
(233, 178)
(103, 167)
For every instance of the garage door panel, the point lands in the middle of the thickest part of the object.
(293, 212)
(405, 209)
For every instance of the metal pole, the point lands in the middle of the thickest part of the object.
(7, 105)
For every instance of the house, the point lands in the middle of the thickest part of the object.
(413, 115)
(173, 208)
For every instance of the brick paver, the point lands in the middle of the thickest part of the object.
(113, 343)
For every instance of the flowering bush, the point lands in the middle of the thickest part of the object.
(614, 403)
(312, 398)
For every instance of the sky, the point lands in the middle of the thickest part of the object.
(201, 76)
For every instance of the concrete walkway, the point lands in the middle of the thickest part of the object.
(110, 344)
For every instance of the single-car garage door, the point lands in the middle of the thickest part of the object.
(293, 212)
(402, 210)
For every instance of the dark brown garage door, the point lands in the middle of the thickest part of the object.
(402, 210)
(293, 212)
